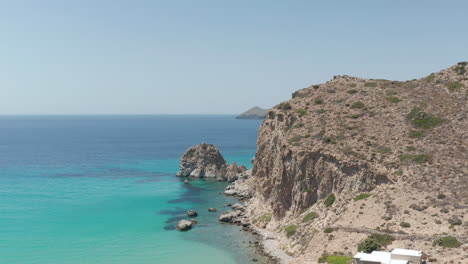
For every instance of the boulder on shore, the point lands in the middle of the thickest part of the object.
(227, 217)
(184, 225)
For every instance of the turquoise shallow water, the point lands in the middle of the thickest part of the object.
(103, 190)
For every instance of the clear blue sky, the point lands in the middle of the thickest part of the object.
(211, 57)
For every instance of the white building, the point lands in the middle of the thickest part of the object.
(396, 256)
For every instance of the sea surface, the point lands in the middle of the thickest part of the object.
(102, 189)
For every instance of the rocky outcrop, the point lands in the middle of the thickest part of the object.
(202, 161)
(253, 113)
(391, 143)
(205, 161)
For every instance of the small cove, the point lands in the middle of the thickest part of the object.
(103, 190)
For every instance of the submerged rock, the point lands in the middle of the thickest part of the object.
(186, 181)
(184, 225)
(212, 210)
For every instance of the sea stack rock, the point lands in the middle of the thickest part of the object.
(202, 161)
(205, 161)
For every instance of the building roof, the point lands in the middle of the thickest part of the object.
(406, 252)
(386, 257)
(375, 256)
(394, 261)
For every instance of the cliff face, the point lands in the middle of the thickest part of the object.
(401, 145)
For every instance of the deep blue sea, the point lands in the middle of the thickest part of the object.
(102, 189)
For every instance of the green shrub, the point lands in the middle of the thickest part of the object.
(309, 216)
(441, 196)
(301, 111)
(405, 224)
(290, 230)
(370, 84)
(316, 87)
(418, 158)
(266, 217)
(422, 119)
(460, 69)
(368, 246)
(410, 148)
(393, 99)
(329, 140)
(330, 200)
(361, 196)
(455, 86)
(298, 95)
(339, 260)
(284, 106)
(352, 91)
(318, 100)
(358, 105)
(355, 116)
(322, 259)
(383, 239)
(448, 242)
(416, 134)
(328, 230)
(430, 77)
(375, 242)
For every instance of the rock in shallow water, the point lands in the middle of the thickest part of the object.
(212, 210)
(192, 213)
(184, 225)
(203, 160)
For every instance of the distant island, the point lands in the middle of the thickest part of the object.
(253, 113)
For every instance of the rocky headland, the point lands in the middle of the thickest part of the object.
(253, 113)
(361, 164)
(356, 162)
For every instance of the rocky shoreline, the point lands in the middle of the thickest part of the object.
(205, 161)
(267, 243)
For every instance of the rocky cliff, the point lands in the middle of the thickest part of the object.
(354, 157)
(205, 161)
